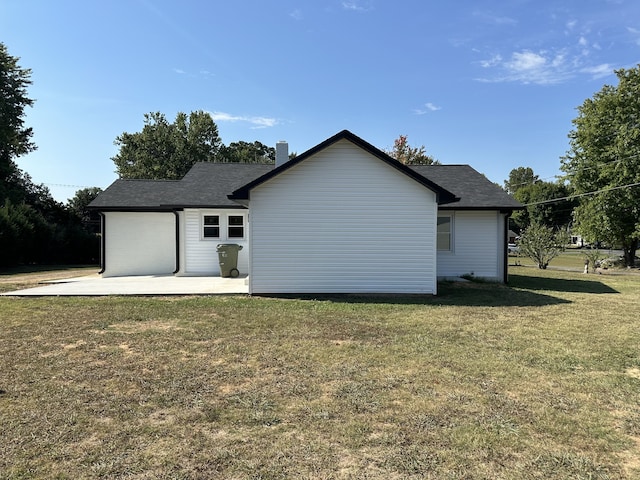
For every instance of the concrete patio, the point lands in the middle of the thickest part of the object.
(95, 285)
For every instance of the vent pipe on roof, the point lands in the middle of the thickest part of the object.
(282, 153)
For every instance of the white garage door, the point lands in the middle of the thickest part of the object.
(139, 243)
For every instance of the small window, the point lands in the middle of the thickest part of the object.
(236, 226)
(444, 234)
(211, 227)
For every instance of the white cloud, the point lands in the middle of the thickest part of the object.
(543, 67)
(539, 68)
(355, 6)
(495, 19)
(523, 62)
(599, 71)
(296, 14)
(429, 107)
(201, 73)
(257, 122)
(492, 62)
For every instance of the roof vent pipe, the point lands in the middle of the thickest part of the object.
(282, 153)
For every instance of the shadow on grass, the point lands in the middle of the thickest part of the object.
(522, 291)
(559, 284)
(449, 294)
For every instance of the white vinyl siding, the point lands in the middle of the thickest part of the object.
(342, 221)
(140, 243)
(477, 246)
(201, 257)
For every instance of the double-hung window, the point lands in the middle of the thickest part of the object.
(444, 234)
(223, 227)
(211, 226)
(235, 228)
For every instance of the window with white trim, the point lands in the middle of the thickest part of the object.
(211, 226)
(444, 237)
(235, 228)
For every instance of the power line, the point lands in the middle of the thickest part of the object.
(582, 194)
(65, 185)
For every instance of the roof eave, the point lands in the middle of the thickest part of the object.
(444, 196)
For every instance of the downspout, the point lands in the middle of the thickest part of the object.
(175, 212)
(505, 237)
(103, 243)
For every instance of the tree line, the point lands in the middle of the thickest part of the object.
(597, 197)
(37, 229)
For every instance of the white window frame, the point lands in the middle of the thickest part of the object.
(224, 226)
(450, 217)
(243, 226)
(204, 226)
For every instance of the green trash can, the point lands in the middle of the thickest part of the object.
(228, 259)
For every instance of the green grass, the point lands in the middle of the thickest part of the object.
(571, 259)
(537, 380)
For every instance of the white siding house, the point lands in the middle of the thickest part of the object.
(342, 217)
(342, 221)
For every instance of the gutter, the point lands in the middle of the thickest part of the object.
(505, 237)
(103, 243)
(175, 212)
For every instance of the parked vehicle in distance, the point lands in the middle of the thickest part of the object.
(512, 248)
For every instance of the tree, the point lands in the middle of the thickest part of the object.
(405, 153)
(520, 177)
(15, 139)
(539, 208)
(164, 150)
(542, 243)
(245, 152)
(33, 226)
(78, 206)
(603, 164)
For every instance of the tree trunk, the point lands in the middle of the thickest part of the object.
(630, 254)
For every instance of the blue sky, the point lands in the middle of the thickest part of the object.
(493, 84)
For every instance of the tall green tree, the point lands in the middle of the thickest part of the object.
(603, 164)
(540, 207)
(526, 187)
(15, 138)
(520, 177)
(405, 153)
(245, 152)
(164, 150)
(78, 206)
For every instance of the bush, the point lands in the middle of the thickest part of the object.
(542, 243)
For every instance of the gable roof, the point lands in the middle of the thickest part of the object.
(206, 185)
(442, 194)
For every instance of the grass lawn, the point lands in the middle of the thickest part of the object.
(538, 380)
(17, 278)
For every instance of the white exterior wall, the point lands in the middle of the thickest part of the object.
(200, 255)
(342, 221)
(139, 243)
(478, 245)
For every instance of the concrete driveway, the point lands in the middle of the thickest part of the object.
(95, 285)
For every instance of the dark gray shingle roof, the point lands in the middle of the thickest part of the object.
(207, 184)
(474, 189)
